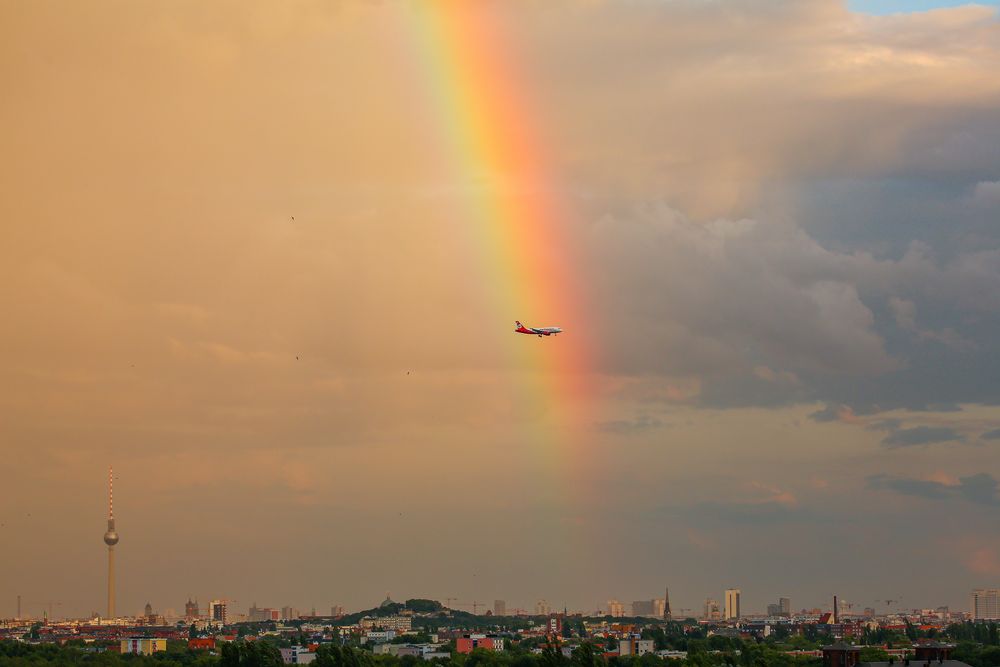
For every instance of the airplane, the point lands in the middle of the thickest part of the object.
(538, 331)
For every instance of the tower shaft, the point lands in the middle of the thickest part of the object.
(111, 581)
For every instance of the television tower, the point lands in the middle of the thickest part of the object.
(111, 539)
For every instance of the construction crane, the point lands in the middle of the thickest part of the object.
(448, 602)
(475, 604)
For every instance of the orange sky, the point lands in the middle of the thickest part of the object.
(313, 412)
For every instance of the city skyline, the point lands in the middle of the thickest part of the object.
(984, 604)
(267, 261)
(737, 598)
(220, 608)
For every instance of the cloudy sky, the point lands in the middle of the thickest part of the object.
(783, 218)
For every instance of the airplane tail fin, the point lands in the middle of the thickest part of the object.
(518, 324)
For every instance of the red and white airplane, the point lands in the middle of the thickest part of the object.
(538, 331)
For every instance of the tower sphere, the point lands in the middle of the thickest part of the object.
(111, 537)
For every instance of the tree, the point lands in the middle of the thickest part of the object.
(585, 656)
(552, 657)
(873, 654)
(423, 606)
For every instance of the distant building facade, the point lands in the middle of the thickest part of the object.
(469, 643)
(297, 655)
(636, 646)
(642, 608)
(986, 604)
(554, 625)
(782, 608)
(396, 623)
(219, 611)
(841, 655)
(615, 609)
(711, 611)
(143, 645)
(499, 608)
(260, 614)
(732, 603)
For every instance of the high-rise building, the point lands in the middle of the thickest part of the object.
(218, 611)
(542, 608)
(111, 539)
(659, 604)
(732, 603)
(986, 604)
(642, 608)
(260, 614)
(554, 625)
(711, 609)
(782, 608)
(336, 610)
(615, 609)
(191, 609)
(499, 608)
(785, 606)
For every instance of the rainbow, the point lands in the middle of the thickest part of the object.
(517, 219)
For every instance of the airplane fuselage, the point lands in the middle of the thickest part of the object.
(537, 331)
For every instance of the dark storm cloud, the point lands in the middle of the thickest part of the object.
(828, 413)
(640, 424)
(910, 487)
(766, 315)
(852, 246)
(980, 489)
(761, 513)
(921, 435)
(885, 425)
